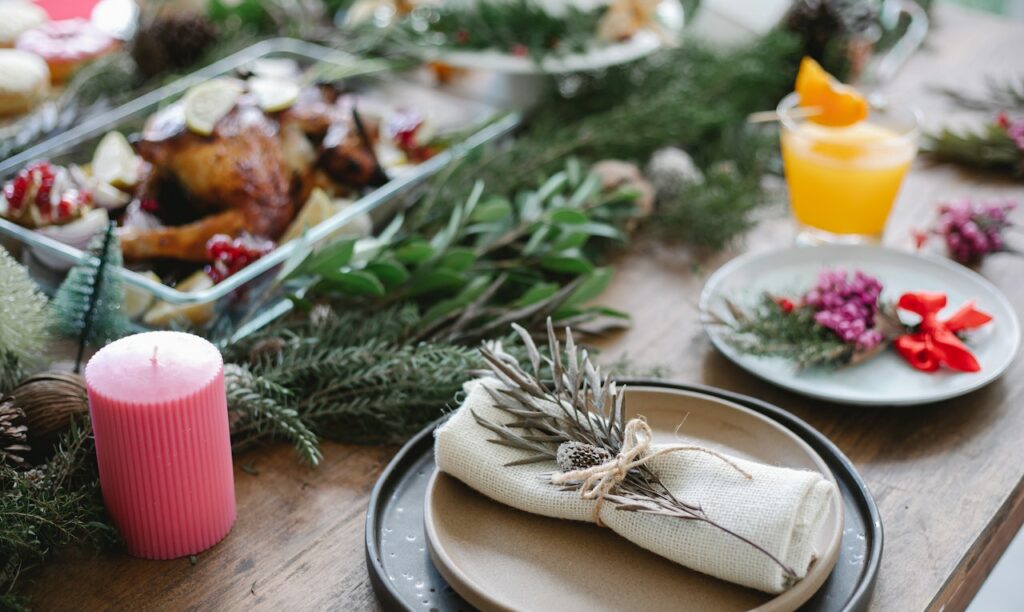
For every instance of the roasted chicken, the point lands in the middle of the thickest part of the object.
(254, 171)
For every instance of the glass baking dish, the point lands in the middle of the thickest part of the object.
(235, 296)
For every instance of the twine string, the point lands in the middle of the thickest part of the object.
(600, 480)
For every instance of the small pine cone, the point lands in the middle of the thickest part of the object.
(670, 170)
(13, 433)
(574, 455)
(321, 315)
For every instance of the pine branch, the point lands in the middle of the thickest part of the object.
(692, 97)
(764, 330)
(1006, 96)
(712, 213)
(56, 504)
(988, 149)
(506, 26)
(259, 409)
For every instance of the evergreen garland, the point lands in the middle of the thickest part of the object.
(989, 148)
(24, 322)
(56, 504)
(88, 303)
(519, 27)
(350, 376)
(692, 97)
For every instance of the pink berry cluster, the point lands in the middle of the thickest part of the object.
(847, 306)
(229, 255)
(41, 194)
(1014, 129)
(971, 230)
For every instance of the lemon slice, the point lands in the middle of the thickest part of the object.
(136, 299)
(207, 103)
(319, 208)
(163, 314)
(272, 94)
(114, 162)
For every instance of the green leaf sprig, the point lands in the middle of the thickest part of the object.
(495, 259)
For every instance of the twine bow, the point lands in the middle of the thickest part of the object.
(600, 480)
(936, 343)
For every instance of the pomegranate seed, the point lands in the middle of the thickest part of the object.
(63, 209)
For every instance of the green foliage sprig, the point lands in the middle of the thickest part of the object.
(764, 329)
(493, 261)
(56, 504)
(349, 376)
(990, 148)
(508, 26)
(999, 96)
(24, 322)
(692, 97)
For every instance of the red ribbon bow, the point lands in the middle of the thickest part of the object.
(935, 342)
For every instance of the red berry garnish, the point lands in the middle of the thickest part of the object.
(149, 205)
(227, 256)
(63, 208)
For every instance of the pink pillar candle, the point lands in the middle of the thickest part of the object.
(159, 415)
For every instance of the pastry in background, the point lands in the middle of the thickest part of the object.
(24, 81)
(66, 45)
(16, 18)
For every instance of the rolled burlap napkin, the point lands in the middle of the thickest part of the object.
(779, 509)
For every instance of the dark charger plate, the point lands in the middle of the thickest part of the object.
(405, 579)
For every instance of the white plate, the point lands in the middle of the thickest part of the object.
(885, 379)
(641, 44)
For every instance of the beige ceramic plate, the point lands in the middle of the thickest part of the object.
(500, 558)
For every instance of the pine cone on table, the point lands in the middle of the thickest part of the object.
(13, 433)
(574, 455)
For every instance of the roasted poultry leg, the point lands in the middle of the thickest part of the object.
(240, 169)
(247, 168)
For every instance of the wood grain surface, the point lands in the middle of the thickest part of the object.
(948, 478)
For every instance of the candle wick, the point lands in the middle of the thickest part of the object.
(152, 359)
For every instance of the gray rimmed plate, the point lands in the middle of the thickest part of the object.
(885, 379)
(499, 558)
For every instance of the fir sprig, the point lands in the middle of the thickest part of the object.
(692, 97)
(765, 330)
(352, 377)
(507, 26)
(56, 504)
(999, 96)
(990, 148)
(259, 409)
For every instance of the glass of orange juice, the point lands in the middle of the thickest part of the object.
(844, 180)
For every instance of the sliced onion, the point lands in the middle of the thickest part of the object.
(77, 234)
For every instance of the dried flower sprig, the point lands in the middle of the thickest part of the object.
(972, 230)
(566, 402)
(840, 321)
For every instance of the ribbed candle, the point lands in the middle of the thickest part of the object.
(159, 415)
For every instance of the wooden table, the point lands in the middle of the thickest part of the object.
(948, 478)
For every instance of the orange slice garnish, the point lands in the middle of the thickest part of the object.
(838, 104)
